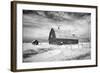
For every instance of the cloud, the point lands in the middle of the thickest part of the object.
(37, 24)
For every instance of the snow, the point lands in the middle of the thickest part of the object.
(47, 52)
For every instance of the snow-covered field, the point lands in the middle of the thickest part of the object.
(46, 52)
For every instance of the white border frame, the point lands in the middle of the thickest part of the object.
(21, 65)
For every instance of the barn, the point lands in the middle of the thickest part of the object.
(60, 41)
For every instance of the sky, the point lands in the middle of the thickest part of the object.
(37, 25)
